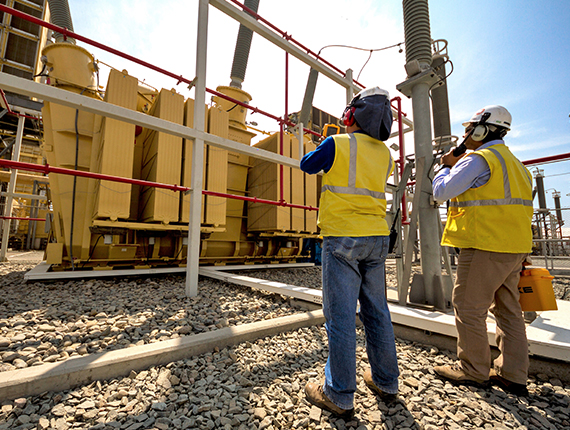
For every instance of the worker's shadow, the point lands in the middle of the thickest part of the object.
(539, 409)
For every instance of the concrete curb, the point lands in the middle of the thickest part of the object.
(108, 365)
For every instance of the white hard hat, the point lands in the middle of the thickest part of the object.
(372, 91)
(499, 117)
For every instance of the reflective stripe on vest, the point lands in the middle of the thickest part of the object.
(351, 188)
(508, 200)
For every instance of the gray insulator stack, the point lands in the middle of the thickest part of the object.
(61, 16)
(558, 208)
(541, 194)
(440, 105)
(243, 45)
(417, 31)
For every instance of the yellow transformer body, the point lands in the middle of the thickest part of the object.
(113, 150)
(264, 181)
(162, 162)
(117, 224)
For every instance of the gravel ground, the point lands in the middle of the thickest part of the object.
(257, 385)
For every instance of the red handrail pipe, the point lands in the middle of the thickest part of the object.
(62, 171)
(22, 218)
(549, 159)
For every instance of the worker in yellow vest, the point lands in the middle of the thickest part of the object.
(489, 219)
(355, 234)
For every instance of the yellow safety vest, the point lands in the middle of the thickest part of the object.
(497, 216)
(353, 193)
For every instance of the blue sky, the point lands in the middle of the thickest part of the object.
(512, 53)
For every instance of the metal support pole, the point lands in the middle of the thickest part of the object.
(11, 190)
(350, 86)
(301, 139)
(193, 256)
(430, 249)
(33, 214)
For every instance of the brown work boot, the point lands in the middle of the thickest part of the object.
(316, 396)
(386, 397)
(456, 375)
(506, 385)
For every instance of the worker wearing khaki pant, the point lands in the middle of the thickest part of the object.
(489, 219)
(489, 280)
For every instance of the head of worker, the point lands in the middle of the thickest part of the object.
(487, 124)
(369, 111)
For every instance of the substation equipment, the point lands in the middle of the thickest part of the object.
(216, 210)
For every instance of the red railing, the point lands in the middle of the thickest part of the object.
(544, 160)
(62, 171)
(22, 218)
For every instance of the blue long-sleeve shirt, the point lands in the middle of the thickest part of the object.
(469, 172)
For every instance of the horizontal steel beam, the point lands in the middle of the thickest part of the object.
(24, 196)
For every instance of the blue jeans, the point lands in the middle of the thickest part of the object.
(354, 270)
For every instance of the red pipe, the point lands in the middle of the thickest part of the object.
(59, 170)
(179, 78)
(21, 218)
(288, 37)
(544, 160)
(258, 200)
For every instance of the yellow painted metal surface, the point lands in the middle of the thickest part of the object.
(68, 137)
(237, 112)
(54, 253)
(70, 65)
(264, 182)
(162, 162)
(113, 150)
(216, 169)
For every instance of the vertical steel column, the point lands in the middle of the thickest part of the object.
(11, 189)
(421, 77)
(350, 86)
(430, 250)
(193, 257)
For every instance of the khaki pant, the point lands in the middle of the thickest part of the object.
(488, 281)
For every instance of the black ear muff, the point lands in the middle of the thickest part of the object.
(480, 132)
(348, 116)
